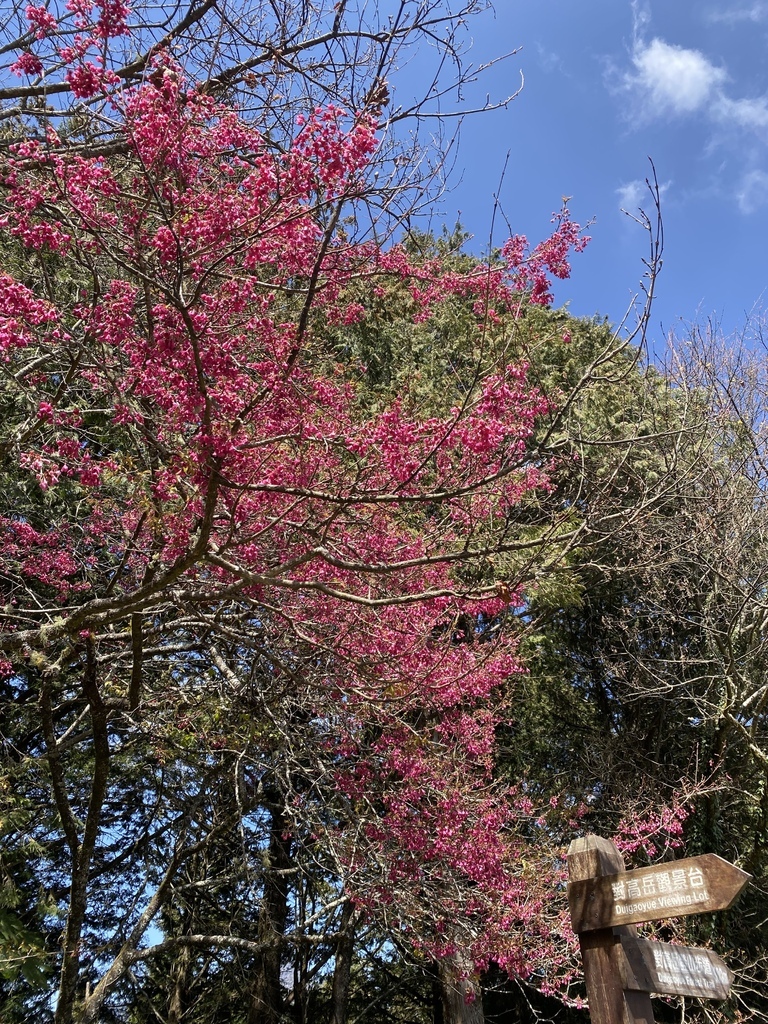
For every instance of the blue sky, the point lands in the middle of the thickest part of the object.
(608, 84)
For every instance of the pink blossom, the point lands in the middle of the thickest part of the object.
(41, 20)
(85, 80)
(111, 22)
(27, 63)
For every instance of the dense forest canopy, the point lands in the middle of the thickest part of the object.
(344, 581)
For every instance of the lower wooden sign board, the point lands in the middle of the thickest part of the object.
(664, 969)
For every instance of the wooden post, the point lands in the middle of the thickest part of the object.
(601, 950)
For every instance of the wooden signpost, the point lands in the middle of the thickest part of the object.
(621, 969)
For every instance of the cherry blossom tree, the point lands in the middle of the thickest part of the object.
(199, 499)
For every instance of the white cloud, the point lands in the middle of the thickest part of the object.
(753, 12)
(672, 80)
(635, 195)
(752, 194)
(666, 81)
(549, 60)
(632, 194)
(742, 113)
(641, 17)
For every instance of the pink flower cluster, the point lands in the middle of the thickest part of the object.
(22, 315)
(97, 23)
(533, 269)
(653, 832)
(44, 558)
(41, 20)
(28, 63)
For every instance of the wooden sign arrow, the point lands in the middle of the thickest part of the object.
(695, 885)
(664, 969)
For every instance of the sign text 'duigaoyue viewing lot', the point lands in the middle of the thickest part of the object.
(693, 886)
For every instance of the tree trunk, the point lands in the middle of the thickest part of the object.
(437, 995)
(462, 1000)
(81, 851)
(342, 972)
(266, 1001)
(180, 975)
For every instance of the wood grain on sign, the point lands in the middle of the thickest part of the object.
(665, 969)
(601, 950)
(695, 885)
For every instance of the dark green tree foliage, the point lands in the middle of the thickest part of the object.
(649, 665)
